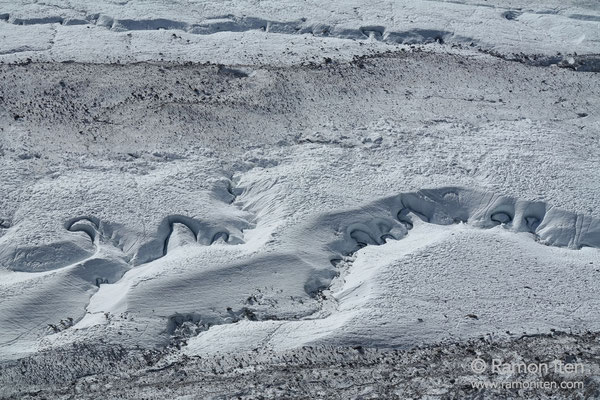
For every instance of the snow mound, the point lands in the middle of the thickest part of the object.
(295, 280)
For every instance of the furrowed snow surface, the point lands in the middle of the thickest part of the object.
(214, 179)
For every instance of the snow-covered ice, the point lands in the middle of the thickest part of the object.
(221, 177)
